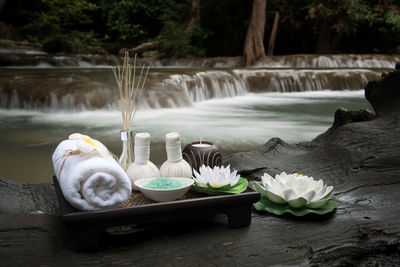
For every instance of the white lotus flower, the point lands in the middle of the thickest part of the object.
(88, 146)
(216, 177)
(295, 189)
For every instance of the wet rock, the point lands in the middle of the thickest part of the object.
(359, 157)
(384, 95)
(397, 68)
(344, 116)
(17, 198)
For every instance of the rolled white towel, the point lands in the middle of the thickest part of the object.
(90, 180)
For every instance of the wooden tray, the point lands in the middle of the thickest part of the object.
(88, 226)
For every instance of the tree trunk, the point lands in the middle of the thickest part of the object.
(192, 18)
(142, 48)
(272, 38)
(254, 43)
(327, 38)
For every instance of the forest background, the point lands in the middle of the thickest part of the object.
(218, 28)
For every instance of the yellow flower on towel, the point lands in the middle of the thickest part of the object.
(89, 146)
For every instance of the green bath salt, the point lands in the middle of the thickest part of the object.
(163, 183)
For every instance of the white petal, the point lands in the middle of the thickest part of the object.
(289, 194)
(270, 195)
(220, 181)
(258, 185)
(266, 179)
(198, 176)
(214, 174)
(235, 180)
(283, 174)
(271, 185)
(319, 194)
(199, 182)
(279, 187)
(317, 204)
(204, 172)
(281, 177)
(203, 169)
(301, 185)
(328, 191)
(318, 185)
(84, 147)
(222, 169)
(266, 176)
(274, 198)
(75, 136)
(297, 203)
(309, 195)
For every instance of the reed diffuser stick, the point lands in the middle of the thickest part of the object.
(130, 94)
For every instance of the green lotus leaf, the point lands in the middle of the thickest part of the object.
(238, 188)
(225, 187)
(267, 205)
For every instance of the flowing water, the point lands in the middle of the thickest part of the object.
(239, 109)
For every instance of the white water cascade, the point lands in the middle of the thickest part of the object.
(78, 92)
(207, 85)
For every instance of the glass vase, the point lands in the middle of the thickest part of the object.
(126, 157)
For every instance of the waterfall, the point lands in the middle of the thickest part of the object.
(178, 88)
(207, 85)
(292, 80)
(329, 61)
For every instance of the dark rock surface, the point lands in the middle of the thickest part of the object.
(344, 116)
(27, 198)
(360, 158)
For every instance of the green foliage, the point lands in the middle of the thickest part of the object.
(73, 42)
(175, 44)
(224, 26)
(264, 204)
(359, 25)
(130, 19)
(79, 26)
(62, 15)
(199, 36)
(345, 15)
(174, 10)
(63, 26)
(393, 18)
(238, 188)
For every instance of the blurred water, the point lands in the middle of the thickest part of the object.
(29, 137)
(81, 89)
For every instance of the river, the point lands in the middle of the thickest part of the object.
(238, 109)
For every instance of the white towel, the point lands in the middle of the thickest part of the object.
(90, 182)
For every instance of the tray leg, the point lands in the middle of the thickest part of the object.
(239, 216)
(86, 238)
